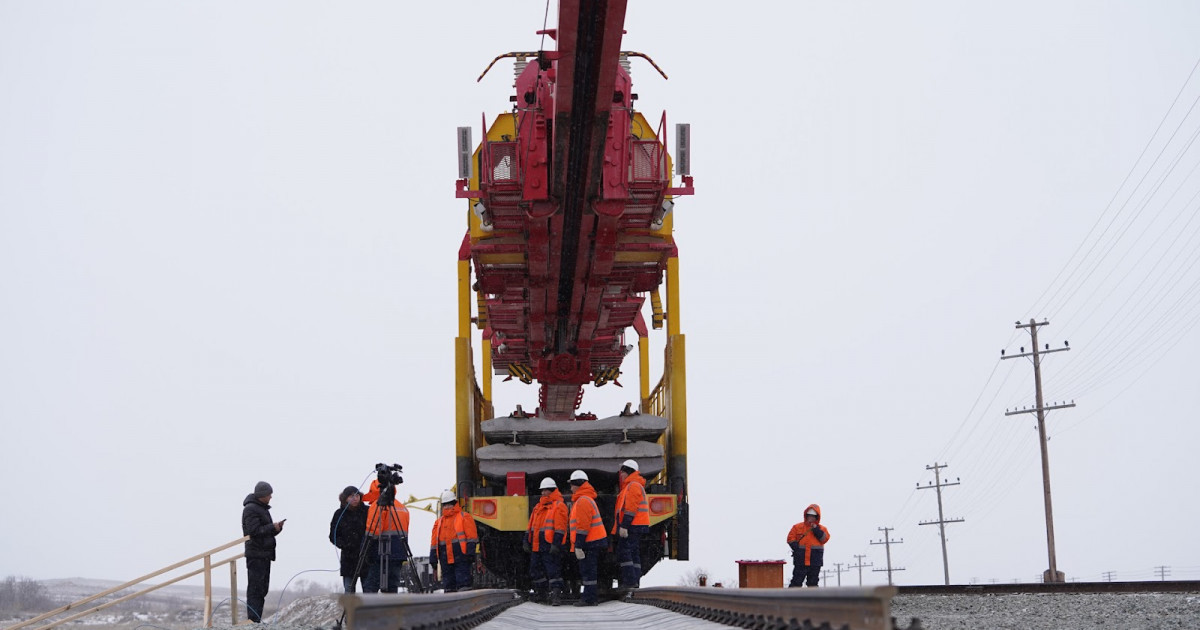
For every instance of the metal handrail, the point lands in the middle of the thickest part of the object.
(206, 570)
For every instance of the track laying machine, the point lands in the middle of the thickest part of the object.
(569, 199)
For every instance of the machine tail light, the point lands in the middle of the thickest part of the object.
(484, 508)
(662, 505)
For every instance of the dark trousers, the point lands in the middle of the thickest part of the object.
(545, 569)
(372, 582)
(385, 563)
(588, 569)
(457, 576)
(805, 572)
(629, 557)
(258, 576)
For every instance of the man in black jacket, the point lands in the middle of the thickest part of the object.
(260, 549)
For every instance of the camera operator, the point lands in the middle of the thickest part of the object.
(387, 532)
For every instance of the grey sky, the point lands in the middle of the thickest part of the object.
(227, 253)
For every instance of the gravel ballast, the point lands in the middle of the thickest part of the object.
(1065, 611)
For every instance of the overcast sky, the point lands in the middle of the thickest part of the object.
(228, 240)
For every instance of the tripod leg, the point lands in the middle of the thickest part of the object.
(385, 558)
(412, 567)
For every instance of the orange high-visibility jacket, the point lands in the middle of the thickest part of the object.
(585, 516)
(385, 521)
(632, 508)
(809, 538)
(548, 523)
(454, 530)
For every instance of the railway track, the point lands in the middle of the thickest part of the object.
(765, 609)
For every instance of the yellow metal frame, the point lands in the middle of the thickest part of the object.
(512, 513)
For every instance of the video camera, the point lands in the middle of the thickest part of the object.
(388, 478)
(389, 475)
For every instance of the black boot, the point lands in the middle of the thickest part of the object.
(555, 597)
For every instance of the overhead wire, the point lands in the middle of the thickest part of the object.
(1116, 193)
(1001, 457)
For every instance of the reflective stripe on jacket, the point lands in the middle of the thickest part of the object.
(454, 529)
(632, 507)
(585, 516)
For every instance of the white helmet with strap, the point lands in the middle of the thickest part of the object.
(579, 475)
(548, 484)
(448, 497)
(629, 463)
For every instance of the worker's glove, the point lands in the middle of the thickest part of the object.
(622, 532)
(433, 560)
(579, 554)
(555, 550)
(526, 546)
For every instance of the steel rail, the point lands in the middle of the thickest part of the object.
(866, 608)
(1176, 586)
(445, 611)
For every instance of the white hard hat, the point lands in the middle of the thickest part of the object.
(448, 497)
(629, 463)
(548, 484)
(811, 512)
(579, 475)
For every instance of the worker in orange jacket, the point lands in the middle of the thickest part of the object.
(807, 540)
(545, 539)
(588, 538)
(630, 523)
(453, 545)
(387, 542)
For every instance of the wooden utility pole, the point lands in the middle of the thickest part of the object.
(941, 522)
(859, 565)
(1052, 574)
(887, 545)
(840, 571)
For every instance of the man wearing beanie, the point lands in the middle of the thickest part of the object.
(260, 549)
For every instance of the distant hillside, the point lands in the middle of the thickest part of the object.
(174, 607)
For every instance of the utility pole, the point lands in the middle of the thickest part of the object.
(840, 570)
(1052, 574)
(1108, 575)
(859, 565)
(1163, 572)
(941, 522)
(887, 545)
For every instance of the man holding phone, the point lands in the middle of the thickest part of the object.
(260, 549)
